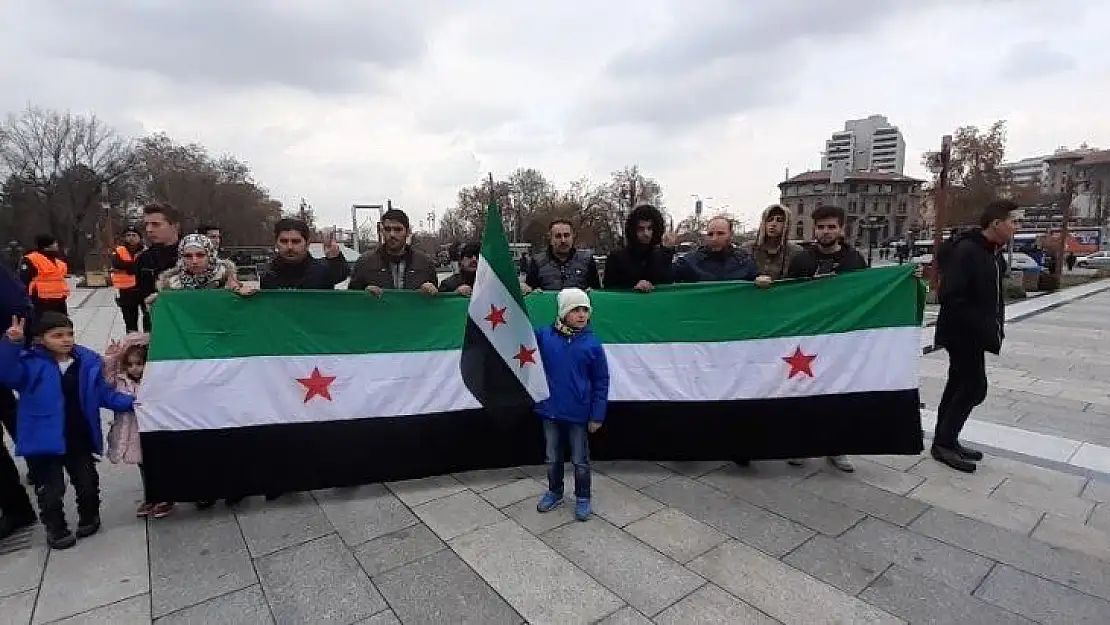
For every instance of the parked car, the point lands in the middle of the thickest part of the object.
(1020, 261)
(1094, 261)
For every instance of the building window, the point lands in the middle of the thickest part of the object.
(852, 187)
(818, 188)
(801, 209)
(886, 208)
(800, 229)
(902, 207)
(887, 188)
(853, 207)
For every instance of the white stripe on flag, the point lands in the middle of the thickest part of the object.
(263, 390)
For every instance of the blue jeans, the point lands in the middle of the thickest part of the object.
(558, 434)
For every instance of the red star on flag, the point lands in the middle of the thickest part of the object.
(496, 316)
(316, 385)
(799, 363)
(525, 356)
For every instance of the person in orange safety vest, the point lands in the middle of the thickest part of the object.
(125, 281)
(44, 272)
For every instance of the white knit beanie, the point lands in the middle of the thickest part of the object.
(569, 299)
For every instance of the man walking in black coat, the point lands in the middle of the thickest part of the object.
(646, 260)
(970, 324)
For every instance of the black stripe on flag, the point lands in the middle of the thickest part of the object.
(486, 374)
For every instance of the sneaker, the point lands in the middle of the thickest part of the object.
(796, 462)
(582, 510)
(161, 510)
(204, 505)
(842, 463)
(969, 454)
(88, 527)
(548, 502)
(143, 511)
(952, 458)
(60, 538)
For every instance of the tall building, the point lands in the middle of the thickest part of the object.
(870, 144)
(1028, 172)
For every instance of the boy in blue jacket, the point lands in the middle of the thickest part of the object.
(61, 391)
(578, 380)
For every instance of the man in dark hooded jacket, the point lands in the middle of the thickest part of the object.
(647, 259)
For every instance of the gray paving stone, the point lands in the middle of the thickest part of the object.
(133, 611)
(739, 519)
(880, 476)
(695, 468)
(1072, 534)
(919, 599)
(272, 525)
(1079, 571)
(1100, 517)
(709, 605)
(919, 554)
(457, 514)
(633, 473)
(524, 512)
(842, 566)
(21, 567)
(441, 588)
(676, 535)
(364, 513)
(985, 479)
(194, 558)
(517, 490)
(1044, 499)
(646, 579)
(620, 504)
(17, 608)
(781, 591)
(1097, 490)
(1041, 600)
(317, 582)
(537, 582)
(1057, 481)
(485, 479)
(242, 607)
(865, 498)
(415, 492)
(401, 547)
(381, 618)
(827, 517)
(102, 569)
(1011, 516)
(626, 616)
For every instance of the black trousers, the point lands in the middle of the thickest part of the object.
(13, 497)
(131, 304)
(966, 388)
(8, 405)
(50, 486)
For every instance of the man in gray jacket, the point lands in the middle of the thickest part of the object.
(561, 266)
(394, 265)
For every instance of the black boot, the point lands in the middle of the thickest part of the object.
(952, 458)
(969, 454)
(58, 535)
(11, 523)
(88, 524)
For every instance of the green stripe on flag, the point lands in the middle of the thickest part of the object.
(495, 249)
(219, 324)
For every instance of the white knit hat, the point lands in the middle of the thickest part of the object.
(569, 299)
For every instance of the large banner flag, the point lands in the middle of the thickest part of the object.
(302, 390)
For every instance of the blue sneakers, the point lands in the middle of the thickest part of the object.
(582, 509)
(548, 501)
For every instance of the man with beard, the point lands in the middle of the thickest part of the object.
(394, 265)
(294, 268)
(828, 255)
(214, 235)
(771, 250)
(463, 281)
(971, 323)
(124, 280)
(718, 258)
(44, 272)
(647, 259)
(162, 223)
(561, 266)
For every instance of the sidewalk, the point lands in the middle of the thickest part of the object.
(904, 539)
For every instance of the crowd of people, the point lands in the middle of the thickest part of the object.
(55, 422)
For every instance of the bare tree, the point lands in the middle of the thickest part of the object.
(58, 167)
(975, 176)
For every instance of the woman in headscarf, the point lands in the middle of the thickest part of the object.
(198, 268)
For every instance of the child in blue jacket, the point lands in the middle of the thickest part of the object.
(578, 381)
(61, 391)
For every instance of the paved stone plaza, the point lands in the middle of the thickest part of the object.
(902, 540)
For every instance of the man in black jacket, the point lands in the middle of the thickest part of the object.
(124, 280)
(162, 224)
(828, 254)
(294, 268)
(969, 325)
(463, 281)
(646, 261)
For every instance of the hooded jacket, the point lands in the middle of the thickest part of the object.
(972, 308)
(577, 376)
(773, 259)
(41, 419)
(652, 262)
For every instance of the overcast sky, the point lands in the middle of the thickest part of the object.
(347, 102)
